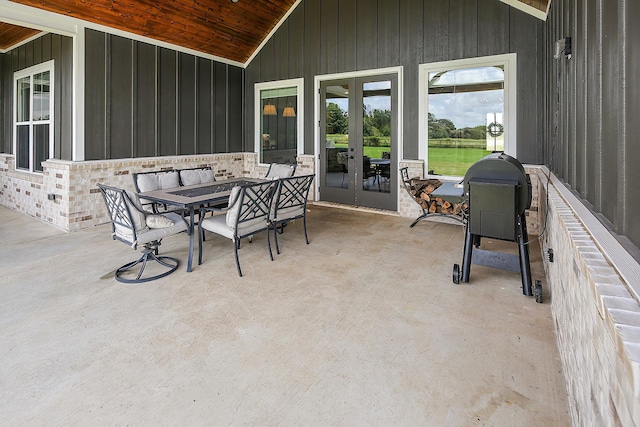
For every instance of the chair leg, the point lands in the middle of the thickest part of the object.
(275, 236)
(148, 253)
(236, 245)
(304, 223)
(269, 245)
(200, 239)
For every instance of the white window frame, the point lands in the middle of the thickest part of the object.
(30, 72)
(279, 84)
(508, 61)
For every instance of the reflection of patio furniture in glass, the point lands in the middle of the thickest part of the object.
(368, 171)
(343, 160)
(247, 214)
(290, 202)
(134, 226)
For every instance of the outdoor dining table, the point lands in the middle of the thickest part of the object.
(190, 197)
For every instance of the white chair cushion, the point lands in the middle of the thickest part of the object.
(218, 224)
(288, 213)
(196, 176)
(151, 234)
(234, 207)
(278, 170)
(157, 181)
(159, 221)
(137, 213)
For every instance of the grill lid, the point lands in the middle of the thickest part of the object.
(501, 167)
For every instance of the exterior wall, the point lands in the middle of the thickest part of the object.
(330, 36)
(145, 101)
(593, 104)
(45, 48)
(597, 318)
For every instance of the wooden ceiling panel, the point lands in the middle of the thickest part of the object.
(217, 27)
(537, 4)
(10, 35)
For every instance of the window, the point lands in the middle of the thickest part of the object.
(279, 121)
(467, 110)
(33, 116)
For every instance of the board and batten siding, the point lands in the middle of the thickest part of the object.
(42, 49)
(144, 101)
(593, 105)
(337, 36)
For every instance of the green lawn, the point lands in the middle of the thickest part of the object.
(443, 161)
(454, 161)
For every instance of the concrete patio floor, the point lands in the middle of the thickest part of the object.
(361, 327)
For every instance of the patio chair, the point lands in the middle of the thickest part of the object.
(132, 225)
(289, 203)
(158, 180)
(246, 215)
(280, 170)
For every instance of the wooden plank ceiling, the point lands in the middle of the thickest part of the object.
(11, 35)
(217, 27)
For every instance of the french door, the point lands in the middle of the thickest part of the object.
(358, 146)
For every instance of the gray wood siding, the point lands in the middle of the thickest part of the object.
(592, 145)
(49, 46)
(143, 100)
(354, 35)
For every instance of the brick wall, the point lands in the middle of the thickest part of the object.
(597, 318)
(76, 202)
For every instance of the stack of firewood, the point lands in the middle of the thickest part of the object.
(421, 190)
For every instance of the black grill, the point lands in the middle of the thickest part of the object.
(498, 192)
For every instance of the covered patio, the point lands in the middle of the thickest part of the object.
(361, 327)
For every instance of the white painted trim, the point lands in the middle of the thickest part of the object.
(25, 41)
(528, 9)
(29, 72)
(271, 33)
(616, 254)
(77, 115)
(399, 70)
(257, 111)
(509, 61)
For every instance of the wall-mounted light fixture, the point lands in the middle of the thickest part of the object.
(563, 47)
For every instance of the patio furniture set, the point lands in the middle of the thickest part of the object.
(166, 203)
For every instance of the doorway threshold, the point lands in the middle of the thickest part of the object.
(356, 208)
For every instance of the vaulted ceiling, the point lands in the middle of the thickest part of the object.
(222, 28)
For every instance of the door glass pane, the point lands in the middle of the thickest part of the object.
(40, 145)
(24, 97)
(337, 136)
(376, 135)
(22, 139)
(41, 96)
(279, 125)
(465, 117)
